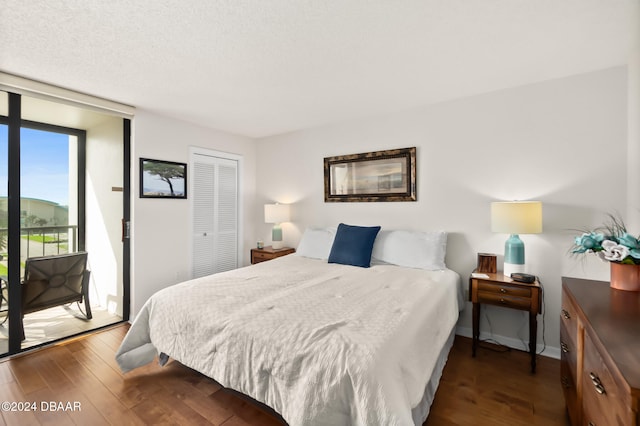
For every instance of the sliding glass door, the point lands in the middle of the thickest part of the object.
(62, 191)
(48, 193)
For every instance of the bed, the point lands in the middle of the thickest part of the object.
(321, 343)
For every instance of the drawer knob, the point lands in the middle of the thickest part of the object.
(597, 384)
(565, 314)
(591, 424)
(502, 301)
(565, 348)
(502, 290)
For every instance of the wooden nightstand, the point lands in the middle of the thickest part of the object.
(268, 253)
(503, 291)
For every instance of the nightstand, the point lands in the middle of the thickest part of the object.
(500, 290)
(268, 253)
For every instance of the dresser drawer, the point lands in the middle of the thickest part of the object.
(569, 318)
(504, 300)
(569, 375)
(570, 390)
(568, 352)
(504, 289)
(603, 400)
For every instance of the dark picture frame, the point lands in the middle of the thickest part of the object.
(372, 176)
(162, 179)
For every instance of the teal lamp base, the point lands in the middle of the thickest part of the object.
(513, 255)
(276, 236)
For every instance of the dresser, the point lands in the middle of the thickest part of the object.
(600, 353)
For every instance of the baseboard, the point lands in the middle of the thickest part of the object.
(548, 351)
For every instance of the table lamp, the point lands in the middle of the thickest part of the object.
(276, 214)
(515, 217)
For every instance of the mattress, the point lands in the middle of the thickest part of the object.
(322, 344)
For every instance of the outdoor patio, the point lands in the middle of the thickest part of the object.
(56, 323)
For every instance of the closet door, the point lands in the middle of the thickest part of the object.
(215, 214)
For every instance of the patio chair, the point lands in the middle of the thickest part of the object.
(54, 281)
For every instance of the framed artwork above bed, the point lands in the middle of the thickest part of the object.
(372, 176)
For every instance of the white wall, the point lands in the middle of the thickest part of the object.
(161, 236)
(562, 142)
(633, 115)
(104, 212)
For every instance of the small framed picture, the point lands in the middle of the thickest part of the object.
(162, 179)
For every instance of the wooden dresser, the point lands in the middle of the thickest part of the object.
(600, 344)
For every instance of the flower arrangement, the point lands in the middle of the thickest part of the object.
(610, 242)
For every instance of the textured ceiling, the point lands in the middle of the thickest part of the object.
(264, 67)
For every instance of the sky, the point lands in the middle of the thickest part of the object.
(44, 166)
(153, 183)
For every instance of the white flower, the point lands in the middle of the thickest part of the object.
(613, 251)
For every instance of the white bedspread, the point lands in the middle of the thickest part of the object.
(322, 344)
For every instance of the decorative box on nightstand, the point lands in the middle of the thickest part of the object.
(268, 253)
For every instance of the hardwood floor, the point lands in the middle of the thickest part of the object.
(56, 323)
(491, 389)
(497, 388)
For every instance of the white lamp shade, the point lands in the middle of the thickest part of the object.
(276, 213)
(516, 217)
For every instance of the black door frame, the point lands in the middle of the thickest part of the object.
(126, 219)
(13, 225)
(14, 124)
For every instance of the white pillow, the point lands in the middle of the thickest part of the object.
(316, 243)
(413, 249)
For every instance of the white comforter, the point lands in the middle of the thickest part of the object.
(322, 344)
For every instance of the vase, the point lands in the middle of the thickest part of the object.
(625, 277)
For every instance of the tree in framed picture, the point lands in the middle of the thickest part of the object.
(162, 179)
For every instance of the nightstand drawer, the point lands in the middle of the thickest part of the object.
(500, 299)
(262, 256)
(268, 253)
(504, 289)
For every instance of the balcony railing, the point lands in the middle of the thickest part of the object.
(46, 240)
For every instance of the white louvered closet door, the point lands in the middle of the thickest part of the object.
(215, 215)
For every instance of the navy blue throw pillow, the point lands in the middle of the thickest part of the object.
(353, 245)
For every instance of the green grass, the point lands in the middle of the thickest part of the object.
(47, 239)
(43, 239)
(3, 268)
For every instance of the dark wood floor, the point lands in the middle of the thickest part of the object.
(492, 389)
(497, 388)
